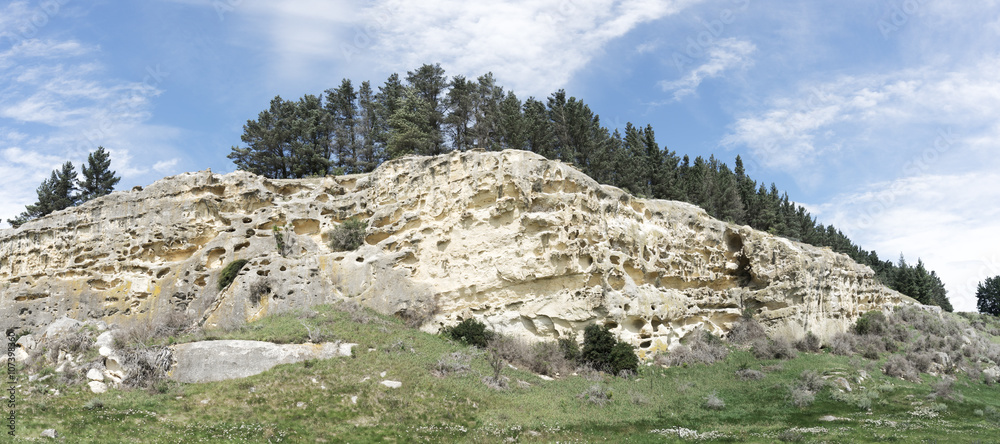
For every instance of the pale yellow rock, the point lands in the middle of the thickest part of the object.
(533, 247)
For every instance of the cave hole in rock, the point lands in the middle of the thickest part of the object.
(645, 344)
(742, 273)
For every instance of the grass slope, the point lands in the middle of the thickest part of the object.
(312, 401)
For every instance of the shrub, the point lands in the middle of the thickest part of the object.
(623, 359)
(258, 290)
(471, 332)
(349, 235)
(700, 348)
(419, 313)
(811, 381)
(800, 397)
(777, 349)
(872, 322)
(899, 367)
(842, 344)
(945, 389)
(453, 363)
(547, 358)
(809, 343)
(749, 375)
(597, 344)
(596, 394)
(921, 361)
(603, 352)
(747, 331)
(570, 349)
(229, 273)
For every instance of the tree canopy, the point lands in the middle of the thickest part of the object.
(430, 114)
(988, 296)
(62, 189)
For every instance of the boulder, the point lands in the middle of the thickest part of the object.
(392, 384)
(98, 387)
(220, 360)
(49, 433)
(95, 375)
(61, 326)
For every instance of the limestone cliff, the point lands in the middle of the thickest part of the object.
(531, 246)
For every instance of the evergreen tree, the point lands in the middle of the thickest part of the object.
(988, 296)
(410, 134)
(369, 130)
(428, 83)
(98, 179)
(461, 101)
(54, 194)
(513, 130)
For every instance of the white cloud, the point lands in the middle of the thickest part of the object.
(949, 221)
(873, 115)
(725, 55)
(534, 47)
(57, 104)
(165, 166)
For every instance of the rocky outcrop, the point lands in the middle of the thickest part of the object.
(208, 361)
(531, 246)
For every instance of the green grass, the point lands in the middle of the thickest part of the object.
(460, 408)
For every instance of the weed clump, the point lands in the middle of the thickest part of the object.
(229, 273)
(713, 402)
(808, 344)
(596, 394)
(701, 348)
(778, 348)
(349, 235)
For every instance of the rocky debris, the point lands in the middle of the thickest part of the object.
(841, 384)
(532, 247)
(220, 360)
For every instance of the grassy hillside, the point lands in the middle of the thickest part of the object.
(443, 397)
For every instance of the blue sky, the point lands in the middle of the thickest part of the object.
(881, 117)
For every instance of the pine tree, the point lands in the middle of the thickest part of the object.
(428, 83)
(410, 134)
(461, 102)
(54, 194)
(98, 179)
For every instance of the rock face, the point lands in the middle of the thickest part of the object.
(533, 247)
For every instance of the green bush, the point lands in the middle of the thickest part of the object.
(873, 323)
(471, 332)
(603, 352)
(623, 359)
(229, 273)
(349, 235)
(570, 349)
(597, 344)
